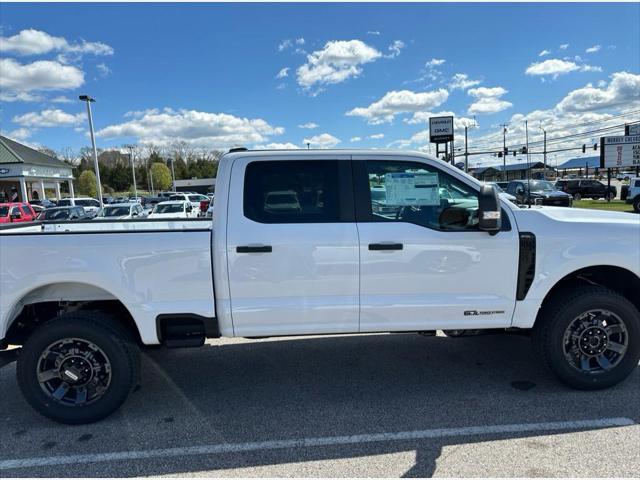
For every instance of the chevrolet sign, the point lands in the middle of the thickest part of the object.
(440, 129)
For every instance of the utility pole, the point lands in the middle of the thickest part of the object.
(133, 170)
(153, 192)
(466, 150)
(173, 175)
(545, 150)
(88, 100)
(504, 151)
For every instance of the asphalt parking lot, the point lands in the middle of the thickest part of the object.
(373, 405)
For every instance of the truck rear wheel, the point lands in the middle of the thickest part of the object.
(589, 337)
(636, 204)
(78, 368)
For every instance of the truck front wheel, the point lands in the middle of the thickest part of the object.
(589, 337)
(636, 204)
(78, 368)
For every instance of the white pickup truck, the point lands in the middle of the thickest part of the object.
(438, 250)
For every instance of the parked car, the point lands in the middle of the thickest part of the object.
(90, 205)
(624, 176)
(633, 194)
(465, 260)
(502, 193)
(502, 185)
(16, 212)
(120, 211)
(63, 213)
(543, 192)
(586, 188)
(45, 203)
(193, 198)
(173, 209)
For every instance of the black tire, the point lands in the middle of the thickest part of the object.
(108, 382)
(559, 346)
(636, 204)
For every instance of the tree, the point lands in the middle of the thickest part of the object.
(87, 183)
(161, 176)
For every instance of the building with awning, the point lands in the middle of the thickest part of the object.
(31, 172)
(513, 171)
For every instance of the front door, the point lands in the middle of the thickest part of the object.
(424, 262)
(292, 247)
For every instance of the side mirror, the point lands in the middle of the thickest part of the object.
(489, 209)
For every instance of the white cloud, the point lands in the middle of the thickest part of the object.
(48, 118)
(376, 136)
(212, 130)
(288, 43)
(395, 48)
(17, 78)
(277, 146)
(355, 139)
(283, 73)
(555, 67)
(397, 102)
(285, 44)
(462, 81)
(323, 140)
(623, 90)
(564, 46)
(309, 125)
(488, 100)
(338, 61)
(36, 42)
(373, 32)
(103, 69)
(544, 53)
(19, 134)
(19, 97)
(435, 62)
(594, 49)
(61, 99)
(422, 118)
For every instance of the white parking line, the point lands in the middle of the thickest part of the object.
(314, 442)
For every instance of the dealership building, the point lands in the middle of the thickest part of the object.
(30, 172)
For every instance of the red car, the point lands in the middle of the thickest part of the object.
(16, 212)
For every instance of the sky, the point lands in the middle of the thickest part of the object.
(332, 75)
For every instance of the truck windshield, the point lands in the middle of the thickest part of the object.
(55, 214)
(114, 212)
(541, 186)
(169, 208)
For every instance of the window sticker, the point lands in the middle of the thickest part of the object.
(412, 189)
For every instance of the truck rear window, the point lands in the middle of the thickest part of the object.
(292, 192)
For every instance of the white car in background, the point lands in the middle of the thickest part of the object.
(193, 198)
(91, 205)
(121, 211)
(173, 209)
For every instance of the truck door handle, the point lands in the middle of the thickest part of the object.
(385, 246)
(254, 249)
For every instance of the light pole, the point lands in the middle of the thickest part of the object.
(133, 170)
(504, 151)
(466, 145)
(545, 150)
(88, 100)
(173, 176)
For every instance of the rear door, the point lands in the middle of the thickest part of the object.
(292, 247)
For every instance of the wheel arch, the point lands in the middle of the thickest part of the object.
(618, 279)
(46, 301)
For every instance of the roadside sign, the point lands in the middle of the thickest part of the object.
(440, 129)
(633, 129)
(620, 151)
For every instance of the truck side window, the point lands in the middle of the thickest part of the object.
(421, 194)
(292, 192)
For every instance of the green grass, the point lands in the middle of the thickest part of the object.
(614, 205)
